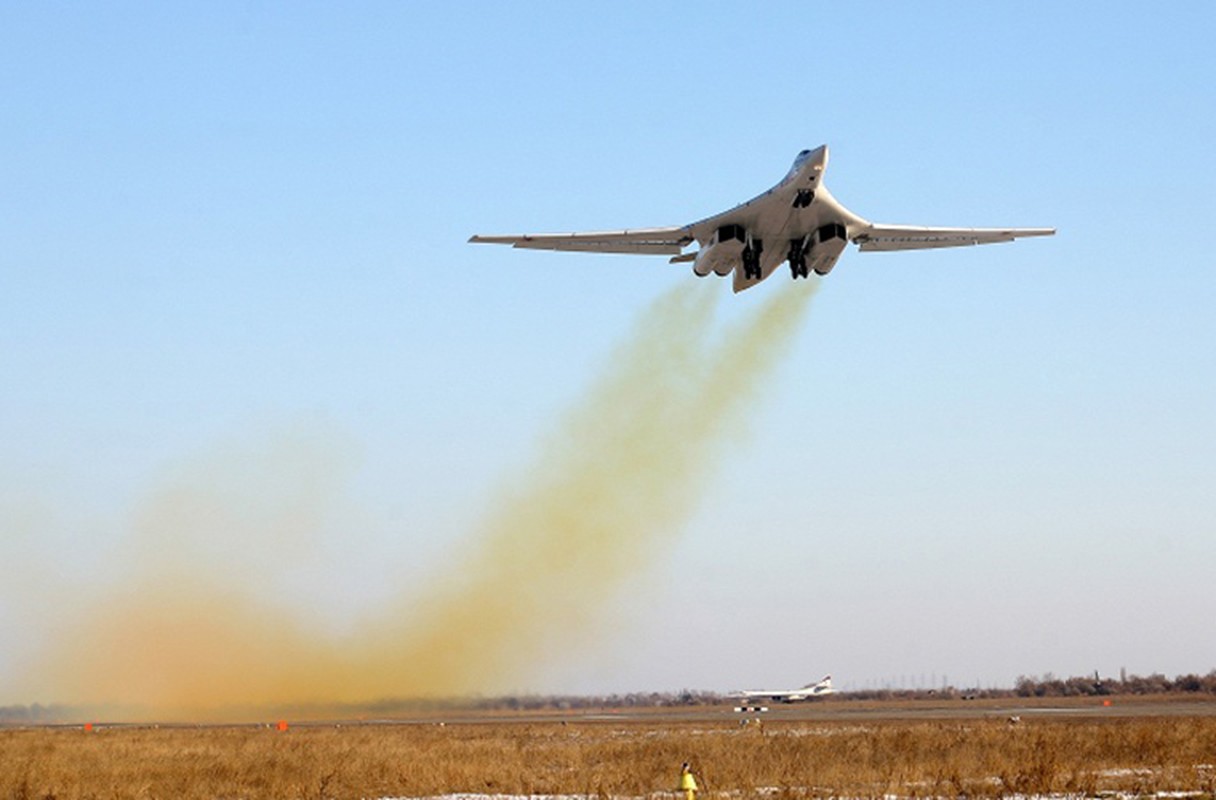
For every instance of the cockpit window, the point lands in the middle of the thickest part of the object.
(799, 160)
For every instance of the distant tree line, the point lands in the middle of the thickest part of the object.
(685, 697)
(1051, 686)
(36, 714)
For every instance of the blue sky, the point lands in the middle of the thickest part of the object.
(231, 224)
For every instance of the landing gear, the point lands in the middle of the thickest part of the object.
(751, 261)
(797, 258)
(750, 264)
(804, 198)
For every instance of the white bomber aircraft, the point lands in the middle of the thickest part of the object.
(808, 692)
(798, 221)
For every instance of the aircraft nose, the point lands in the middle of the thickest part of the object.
(819, 156)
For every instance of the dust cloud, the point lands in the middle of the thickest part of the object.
(185, 635)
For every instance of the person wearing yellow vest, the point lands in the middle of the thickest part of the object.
(688, 782)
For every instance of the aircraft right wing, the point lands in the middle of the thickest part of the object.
(911, 237)
(649, 241)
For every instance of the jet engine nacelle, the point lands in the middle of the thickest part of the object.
(830, 241)
(723, 253)
(719, 259)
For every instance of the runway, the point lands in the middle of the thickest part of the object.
(834, 710)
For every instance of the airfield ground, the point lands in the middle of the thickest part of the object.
(835, 748)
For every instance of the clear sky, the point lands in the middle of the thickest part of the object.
(234, 232)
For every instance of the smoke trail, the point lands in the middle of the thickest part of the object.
(610, 487)
(185, 627)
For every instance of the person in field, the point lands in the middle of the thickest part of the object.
(688, 782)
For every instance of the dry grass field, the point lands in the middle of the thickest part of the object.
(910, 758)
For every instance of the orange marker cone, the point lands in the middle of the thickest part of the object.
(282, 725)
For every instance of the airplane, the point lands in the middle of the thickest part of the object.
(797, 221)
(808, 692)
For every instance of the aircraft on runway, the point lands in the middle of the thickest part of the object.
(797, 221)
(808, 692)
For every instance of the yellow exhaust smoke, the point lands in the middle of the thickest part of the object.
(609, 488)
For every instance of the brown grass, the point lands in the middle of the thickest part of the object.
(980, 758)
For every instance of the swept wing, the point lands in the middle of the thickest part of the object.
(910, 237)
(650, 241)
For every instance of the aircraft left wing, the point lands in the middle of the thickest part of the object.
(911, 237)
(650, 241)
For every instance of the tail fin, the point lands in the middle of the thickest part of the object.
(821, 686)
